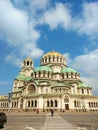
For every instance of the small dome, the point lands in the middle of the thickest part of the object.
(44, 68)
(52, 53)
(27, 62)
(68, 69)
(28, 59)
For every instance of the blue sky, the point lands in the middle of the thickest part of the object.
(31, 28)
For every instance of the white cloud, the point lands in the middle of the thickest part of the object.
(87, 21)
(18, 28)
(58, 16)
(13, 23)
(38, 4)
(31, 4)
(13, 59)
(19, 32)
(87, 66)
(87, 63)
(68, 59)
(34, 8)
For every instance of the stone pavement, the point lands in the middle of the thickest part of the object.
(56, 122)
(44, 121)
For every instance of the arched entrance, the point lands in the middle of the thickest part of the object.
(31, 89)
(66, 101)
(66, 106)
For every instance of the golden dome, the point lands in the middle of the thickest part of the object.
(52, 53)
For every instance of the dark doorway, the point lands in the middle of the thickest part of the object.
(66, 106)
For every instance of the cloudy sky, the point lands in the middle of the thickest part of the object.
(31, 28)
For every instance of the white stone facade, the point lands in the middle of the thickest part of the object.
(53, 85)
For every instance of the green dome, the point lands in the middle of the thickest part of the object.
(68, 70)
(44, 68)
(21, 77)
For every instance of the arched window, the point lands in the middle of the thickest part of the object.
(31, 63)
(35, 103)
(49, 59)
(28, 103)
(12, 104)
(89, 104)
(27, 62)
(51, 103)
(47, 103)
(39, 73)
(7, 104)
(55, 103)
(45, 59)
(53, 58)
(32, 104)
(75, 103)
(31, 89)
(82, 91)
(87, 91)
(94, 104)
(62, 76)
(66, 75)
(57, 59)
(35, 74)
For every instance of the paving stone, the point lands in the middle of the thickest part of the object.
(56, 122)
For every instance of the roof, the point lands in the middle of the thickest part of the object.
(68, 69)
(21, 77)
(82, 85)
(1, 97)
(28, 78)
(53, 53)
(44, 68)
(60, 84)
(28, 59)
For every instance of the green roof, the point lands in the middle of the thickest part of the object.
(82, 85)
(44, 68)
(28, 78)
(21, 77)
(56, 84)
(68, 69)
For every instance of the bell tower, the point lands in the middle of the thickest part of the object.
(27, 67)
(27, 63)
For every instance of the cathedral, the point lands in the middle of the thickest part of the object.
(52, 85)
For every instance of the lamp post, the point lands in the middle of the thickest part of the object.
(9, 100)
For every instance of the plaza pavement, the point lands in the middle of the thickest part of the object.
(44, 121)
(56, 122)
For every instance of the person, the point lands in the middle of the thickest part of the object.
(37, 111)
(3, 120)
(52, 112)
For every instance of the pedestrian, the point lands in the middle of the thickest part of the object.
(3, 120)
(52, 112)
(37, 111)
